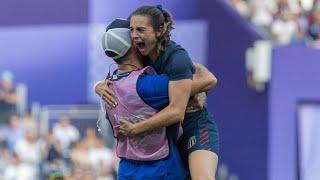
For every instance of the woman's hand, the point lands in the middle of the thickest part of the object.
(103, 90)
(127, 128)
(196, 102)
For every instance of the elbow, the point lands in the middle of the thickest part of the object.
(179, 118)
(178, 115)
(212, 82)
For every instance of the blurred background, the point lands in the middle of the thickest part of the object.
(265, 54)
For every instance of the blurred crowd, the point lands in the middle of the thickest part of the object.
(63, 153)
(284, 21)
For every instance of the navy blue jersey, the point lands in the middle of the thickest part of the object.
(175, 63)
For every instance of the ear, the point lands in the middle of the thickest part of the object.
(159, 31)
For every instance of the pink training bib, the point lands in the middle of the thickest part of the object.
(147, 146)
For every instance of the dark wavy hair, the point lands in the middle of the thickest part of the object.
(159, 18)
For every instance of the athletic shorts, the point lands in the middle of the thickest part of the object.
(199, 133)
(170, 168)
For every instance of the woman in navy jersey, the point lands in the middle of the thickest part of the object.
(140, 93)
(150, 32)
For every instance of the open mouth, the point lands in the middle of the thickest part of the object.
(141, 46)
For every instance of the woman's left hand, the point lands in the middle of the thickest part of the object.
(127, 128)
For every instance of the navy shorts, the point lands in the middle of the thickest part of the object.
(199, 133)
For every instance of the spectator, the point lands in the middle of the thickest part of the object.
(29, 151)
(31, 145)
(300, 37)
(52, 156)
(54, 167)
(29, 123)
(65, 133)
(51, 148)
(101, 160)
(5, 159)
(8, 97)
(315, 26)
(91, 138)
(14, 132)
(316, 43)
(18, 170)
(79, 172)
(79, 154)
(262, 14)
(284, 21)
(283, 27)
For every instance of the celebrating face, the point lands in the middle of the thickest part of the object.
(143, 35)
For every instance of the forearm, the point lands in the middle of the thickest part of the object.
(199, 87)
(179, 93)
(166, 117)
(203, 80)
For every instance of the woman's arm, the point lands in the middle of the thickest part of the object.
(179, 69)
(179, 93)
(203, 80)
(102, 89)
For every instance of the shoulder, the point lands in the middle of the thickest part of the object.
(175, 62)
(172, 53)
(172, 49)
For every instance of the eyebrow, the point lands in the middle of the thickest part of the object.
(139, 27)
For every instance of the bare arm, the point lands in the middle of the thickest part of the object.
(203, 80)
(179, 93)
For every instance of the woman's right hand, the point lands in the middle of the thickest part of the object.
(196, 102)
(103, 90)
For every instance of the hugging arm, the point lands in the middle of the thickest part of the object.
(203, 80)
(179, 93)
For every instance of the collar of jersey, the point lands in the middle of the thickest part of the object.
(116, 76)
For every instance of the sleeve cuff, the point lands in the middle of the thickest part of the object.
(180, 77)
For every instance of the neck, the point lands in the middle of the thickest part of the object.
(132, 64)
(153, 55)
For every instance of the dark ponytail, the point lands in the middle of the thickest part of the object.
(159, 18)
